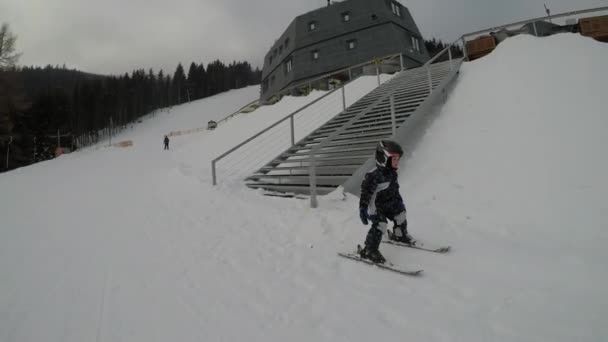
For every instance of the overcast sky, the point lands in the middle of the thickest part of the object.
(117, 36)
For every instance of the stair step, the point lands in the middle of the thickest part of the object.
(331, 150)
(321, 170)
(299, 179)
(337, 160)
(338, 144)
(294, 188)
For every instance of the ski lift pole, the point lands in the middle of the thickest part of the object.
(213, 176)
(110, 132)
(8, 148)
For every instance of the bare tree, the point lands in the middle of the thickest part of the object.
(8, 56)
(12, 104)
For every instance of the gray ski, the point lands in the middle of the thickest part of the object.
(386, 266)
(420, 245)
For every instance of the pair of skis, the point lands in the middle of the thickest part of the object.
(356, 256)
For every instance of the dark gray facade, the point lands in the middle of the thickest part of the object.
(338, 36)
(540, 28)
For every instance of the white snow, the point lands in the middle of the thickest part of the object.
(135, 244)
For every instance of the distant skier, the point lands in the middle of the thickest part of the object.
(380, 201)
(166, 142)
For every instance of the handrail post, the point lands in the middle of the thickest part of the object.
(343, 98)
(213, 172)
(450, 54)
(428, 69)
(378, 73)
(535, 31)
(401, 60)
(393, 120)
(313, 179)
(293, 138)
(464, 49)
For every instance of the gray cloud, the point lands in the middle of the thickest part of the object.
(118, 36)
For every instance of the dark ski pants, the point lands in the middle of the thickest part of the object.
(379, 224)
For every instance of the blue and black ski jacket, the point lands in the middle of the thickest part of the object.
(380, 192)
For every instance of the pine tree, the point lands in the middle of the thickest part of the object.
(179, 83)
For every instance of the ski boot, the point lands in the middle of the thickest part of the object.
(400, 234)
(372, 255)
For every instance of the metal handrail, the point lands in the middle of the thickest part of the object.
(290, 116)
(286, 90)
(238, 111)
(523, 22)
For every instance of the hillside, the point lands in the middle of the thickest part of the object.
(135, 244)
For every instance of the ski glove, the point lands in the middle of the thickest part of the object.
(363, 215)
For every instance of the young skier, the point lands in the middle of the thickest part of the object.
(380, 201)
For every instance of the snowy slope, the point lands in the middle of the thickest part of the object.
(136, 244)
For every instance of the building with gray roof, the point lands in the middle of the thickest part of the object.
(337, 36)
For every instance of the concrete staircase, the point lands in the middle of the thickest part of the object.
(343, 144)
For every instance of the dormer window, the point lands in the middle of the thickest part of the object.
(396, 9)
(416, 44)
(312, 26)
(351, 44)
(346, 16)
(289, 65)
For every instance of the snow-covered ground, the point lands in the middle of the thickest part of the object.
(135, 244)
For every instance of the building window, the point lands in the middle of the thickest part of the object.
(286, 42)
(312, 26)
(346, 16)
(315, 55)
(272, 80)
(351, 44)
(269, 59)
(396, 9)
(289, 65)
(374, 17)
(416, 44)
(280, 49)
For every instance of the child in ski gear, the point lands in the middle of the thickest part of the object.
(380, 201)
(166, 141)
